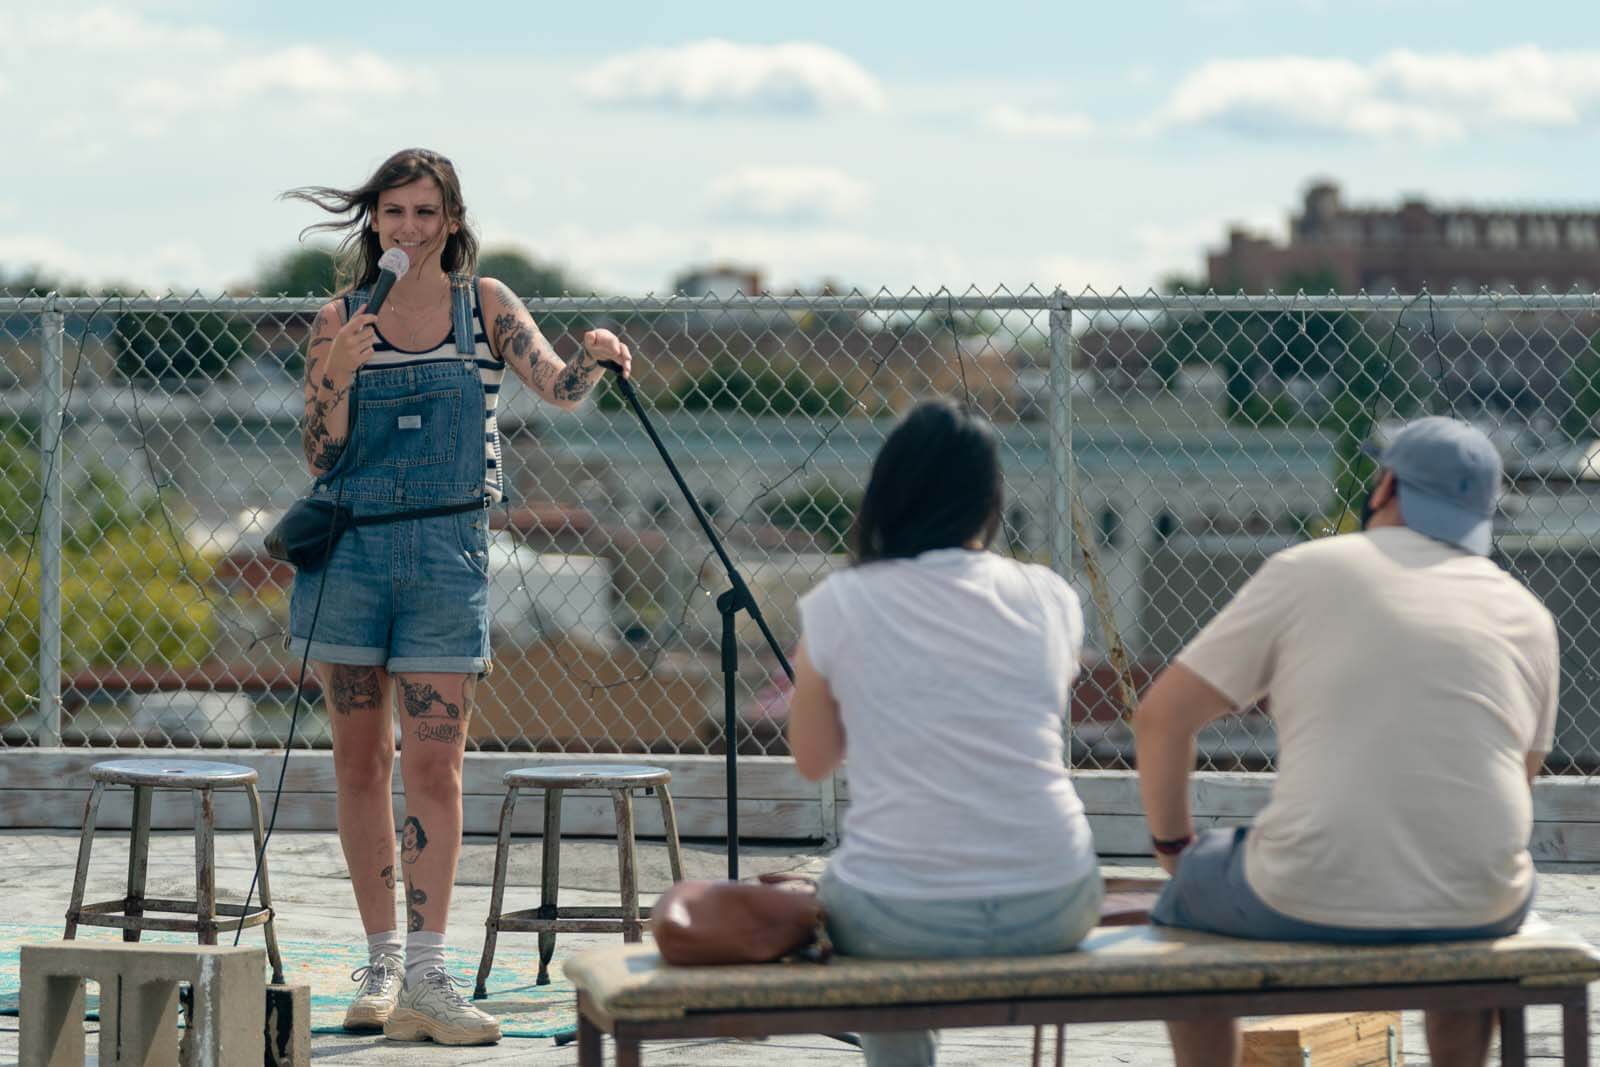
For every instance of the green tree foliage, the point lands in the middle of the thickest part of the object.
(1582, 418)
(183, 347)
(820, 509)
(774, 390)
(1352, 364)
(528, 277)
(125, 597)
(306, 271)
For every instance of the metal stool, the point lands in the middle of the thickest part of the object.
(129, 913)
(620, 780)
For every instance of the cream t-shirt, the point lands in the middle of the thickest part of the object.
(1407, 680)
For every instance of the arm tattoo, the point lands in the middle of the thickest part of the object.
(579, 377)
(322, 449)
(414, 900)
(355, 689)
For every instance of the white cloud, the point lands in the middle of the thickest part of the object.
(787, 195)
(168, 264)
(1037, 124)
(723, 76)
(1434, 96)
(309, 70)
(112, 29)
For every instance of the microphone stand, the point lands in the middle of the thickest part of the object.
(735, 599)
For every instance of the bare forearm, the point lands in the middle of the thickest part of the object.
(1165, 756)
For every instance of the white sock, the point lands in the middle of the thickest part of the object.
(424, 949)
(387, 943)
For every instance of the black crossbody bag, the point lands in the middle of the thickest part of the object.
(307, 532)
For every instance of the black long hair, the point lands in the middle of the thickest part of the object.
(936, 483)
(359, 251)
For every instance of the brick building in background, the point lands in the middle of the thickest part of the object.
(1416, 245)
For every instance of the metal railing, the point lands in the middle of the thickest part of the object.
(1156, 448)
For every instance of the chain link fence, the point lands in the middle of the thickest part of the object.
(1156, 449)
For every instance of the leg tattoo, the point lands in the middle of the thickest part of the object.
(355, 689)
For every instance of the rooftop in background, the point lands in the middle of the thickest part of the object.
(1414, 246)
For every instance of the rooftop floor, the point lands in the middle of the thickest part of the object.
(319, 928)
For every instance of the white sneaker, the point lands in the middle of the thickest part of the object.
(433, 1010)
(380, 990)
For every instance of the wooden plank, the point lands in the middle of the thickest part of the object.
(1357, 1039)
(582, 816)
(311, 771)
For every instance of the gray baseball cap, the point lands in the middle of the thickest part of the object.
(1449, 474)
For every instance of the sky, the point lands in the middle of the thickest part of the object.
(874, 144)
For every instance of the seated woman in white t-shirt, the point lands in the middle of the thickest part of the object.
(941, 670)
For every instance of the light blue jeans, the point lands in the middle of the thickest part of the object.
(901, 928)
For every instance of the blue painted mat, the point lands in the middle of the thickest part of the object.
(524, 1009)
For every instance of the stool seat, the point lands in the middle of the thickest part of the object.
(172, 773)
(588, 776)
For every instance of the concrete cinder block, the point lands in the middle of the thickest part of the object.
(288, 1026)
(139, 986)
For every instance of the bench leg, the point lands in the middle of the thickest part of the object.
(138, 857)
(628, 1052)
(549, 880)
(1575, 1029)
(588, 1042)
(81, 876)
(1513, 1037)
(497, 893)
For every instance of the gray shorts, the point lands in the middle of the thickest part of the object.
(1210, 893)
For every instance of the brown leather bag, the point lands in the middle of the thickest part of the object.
(703, 922)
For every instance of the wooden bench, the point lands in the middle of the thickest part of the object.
(1123, 974)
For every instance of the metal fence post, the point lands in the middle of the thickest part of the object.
(52, 330)
(1061, 467)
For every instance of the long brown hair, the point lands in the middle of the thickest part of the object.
(359, 251)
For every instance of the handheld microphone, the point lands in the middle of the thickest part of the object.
(392, 266)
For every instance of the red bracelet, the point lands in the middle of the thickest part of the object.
(1172, 846)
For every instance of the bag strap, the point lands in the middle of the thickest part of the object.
(421, 513)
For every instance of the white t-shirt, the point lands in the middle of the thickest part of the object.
(1408, 681)
(952, 672)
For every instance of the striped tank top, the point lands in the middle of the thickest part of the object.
(491, 372)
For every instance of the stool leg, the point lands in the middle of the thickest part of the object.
(138, 857)
(549, 880)
(259, 833)
(205, 873)
(81, 876)
(497, 893)
(669, 821)
(622, 801)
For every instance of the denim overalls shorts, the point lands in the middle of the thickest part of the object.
(413, 595)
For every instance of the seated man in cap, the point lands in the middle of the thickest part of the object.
(1413, 684)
